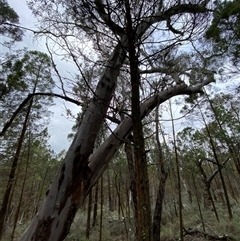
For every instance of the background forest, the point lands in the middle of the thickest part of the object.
(155, 145)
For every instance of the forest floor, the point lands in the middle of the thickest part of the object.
(191, 238)
(194, 238)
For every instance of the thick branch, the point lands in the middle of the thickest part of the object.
(178, 9)
(155, 70)
(207, 235)
(101, 157)
(107, 18)
(171, 28)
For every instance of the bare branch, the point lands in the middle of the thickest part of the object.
(217, 170)
(56, 70)
(24, 102)
(191, 231)
(178, 9)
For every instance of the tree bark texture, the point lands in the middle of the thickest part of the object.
(143, 221)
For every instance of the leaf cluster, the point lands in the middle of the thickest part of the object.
(225, 27)
(9, 21)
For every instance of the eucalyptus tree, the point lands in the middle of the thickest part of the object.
(140, 40)
(30, 73)
(224, 109)
(216, 140)
(37, 165)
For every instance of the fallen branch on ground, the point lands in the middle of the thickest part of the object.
(191, 231)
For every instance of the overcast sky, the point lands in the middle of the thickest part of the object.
(60, 126)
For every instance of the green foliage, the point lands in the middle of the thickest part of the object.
(17, 67)
(225, 28)
(9, 21)
(23, 73)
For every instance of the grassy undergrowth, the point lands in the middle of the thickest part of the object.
(115, 227)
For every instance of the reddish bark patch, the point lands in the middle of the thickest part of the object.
(43, 229)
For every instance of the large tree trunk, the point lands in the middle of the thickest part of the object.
(143, 222)
(71, 184)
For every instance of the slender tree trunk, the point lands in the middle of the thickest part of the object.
(41, 190)
(178, 177)
(121, 215)
(157, 216)
(22, 191)
(118, 190)
(207, 185)
(11, 177)
(232, 189)
(101, 211)
(198, 203)
(95, 207)
(10, 208)
(129, 154)
(89, 210)
(110, 200)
